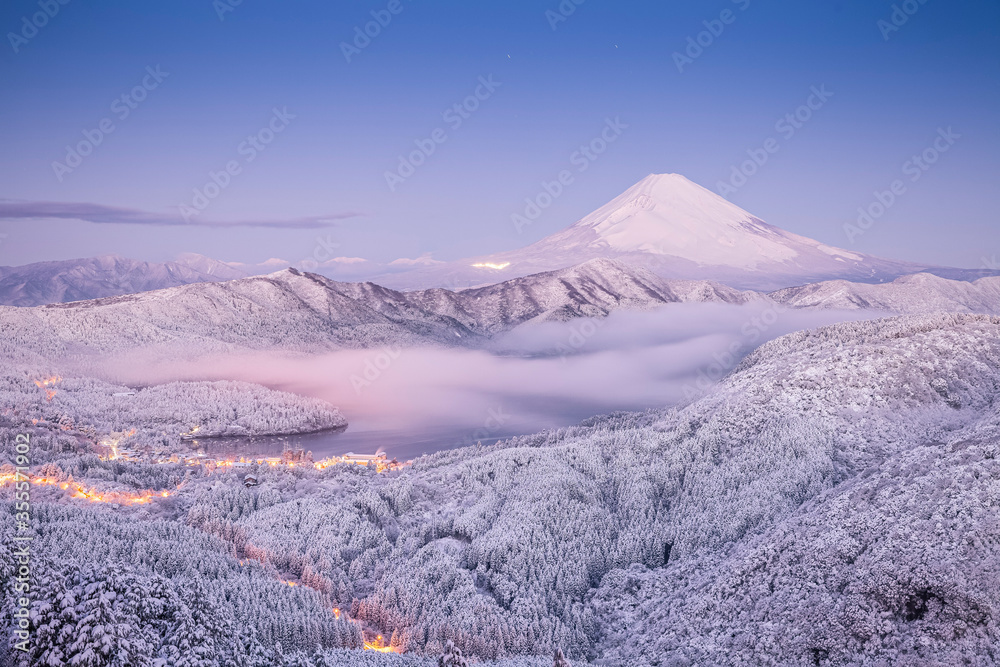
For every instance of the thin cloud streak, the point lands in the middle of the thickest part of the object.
(101, 214)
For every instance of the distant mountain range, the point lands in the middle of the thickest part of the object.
(303, 311)
(677, 230)
(918, 293)
(108, 275)
(291, 310)
(665, 227)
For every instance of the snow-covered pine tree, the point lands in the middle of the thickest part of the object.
(53, 620)
(559, 660)
(452, 657)
(196, 634)
(396, 641)
(253, 652)
(107, 634)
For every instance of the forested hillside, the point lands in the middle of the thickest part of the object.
(914, 294)
(159, 414)
(833, 501)
(294, 311)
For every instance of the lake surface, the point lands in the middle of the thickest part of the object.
(517, 416)
(550, 376)
(400, 444)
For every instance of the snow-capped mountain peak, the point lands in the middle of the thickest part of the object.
(676, 229)
(667, 214)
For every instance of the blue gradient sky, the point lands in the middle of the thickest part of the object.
(609, 59)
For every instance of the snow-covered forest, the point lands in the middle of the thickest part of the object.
(832, 502)
(304, 312)
(160, 414)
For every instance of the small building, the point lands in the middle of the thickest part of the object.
(364, 459)
(250, 480)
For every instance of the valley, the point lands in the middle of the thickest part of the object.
(487, 508)
(805, 419)
(675, 344)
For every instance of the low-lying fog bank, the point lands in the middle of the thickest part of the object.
(411, 400)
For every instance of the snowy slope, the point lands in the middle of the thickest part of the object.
(592, 289)
(882, 548)
(677, 229)
(914, 294)
(108, 275)
(292, 310)
(285, 310)
(815, 444)
(833, 502)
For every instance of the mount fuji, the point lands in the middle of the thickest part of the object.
(664, 225)
(678, 230)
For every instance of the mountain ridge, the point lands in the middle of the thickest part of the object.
(677, 229)
(665, 225)
(912, 294)
(290, 309)
(87, 278)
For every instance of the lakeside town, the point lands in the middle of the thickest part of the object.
(116, 446)
(110, 449)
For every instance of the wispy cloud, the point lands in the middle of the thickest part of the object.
(98, 213)
(423, 260)
(544, 375)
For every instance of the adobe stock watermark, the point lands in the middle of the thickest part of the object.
(23, 536)
(223, 7)
(31, 25)
(562, 13)
(375, 365)
(455, 283)
(697, 44)
(122, 107)
(363, 35)
(495, 420)
(454, 116)
(322, 252)
(751, 332)
(580, 160)
(899, 17)
(248, 149)
(914, 168)
(580, 332)
(787, 126)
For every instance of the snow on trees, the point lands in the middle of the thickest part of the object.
(833, 500)
(452, 657)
